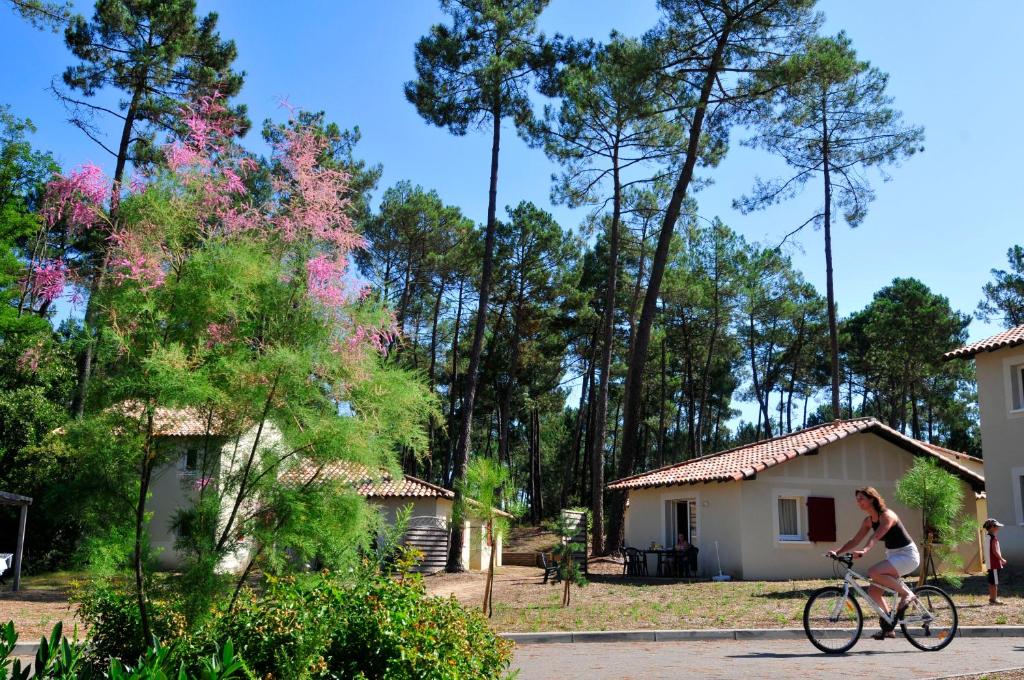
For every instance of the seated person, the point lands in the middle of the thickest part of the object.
(681, 543)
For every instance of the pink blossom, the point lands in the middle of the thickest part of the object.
(219, 333)
(324, 278)
(137, 185)
(180, 156)
(201, 483)
(133, 262)
(50, 278)
(232, 182)
(78, 197)
(30, 358)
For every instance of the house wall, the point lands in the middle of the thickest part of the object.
(174, 488)
(1002, 445)
(389, 507)
(836, 472)
(648, 520)
(742, 516)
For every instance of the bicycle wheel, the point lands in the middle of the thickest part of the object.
(832, 622)
(930, 623)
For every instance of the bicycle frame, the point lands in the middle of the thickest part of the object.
(850, 581)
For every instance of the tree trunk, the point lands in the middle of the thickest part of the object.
(431, 375)
(535, 476)
(85, 356)
(452, 391)
(661, 409)
(607, 342)
(472, 374)
(833, 326)
(638, 355)
(571, 465)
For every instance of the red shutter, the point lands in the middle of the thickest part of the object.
(821, 519)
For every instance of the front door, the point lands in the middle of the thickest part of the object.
(683, 521)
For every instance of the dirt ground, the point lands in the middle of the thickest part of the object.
(39, 605)
(522, 603)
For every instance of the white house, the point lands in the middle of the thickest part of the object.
(199, 453)
(431, 510)
(775, 506)
(197, 458)
(999, 361)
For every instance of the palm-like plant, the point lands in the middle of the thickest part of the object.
(484, 488)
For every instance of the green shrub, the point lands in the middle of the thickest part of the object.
(284, 631)
(320, 626)
(390, 629)
(110, 611)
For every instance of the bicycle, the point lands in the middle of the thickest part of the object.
(833, 619)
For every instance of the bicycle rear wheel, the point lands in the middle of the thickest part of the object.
(833, 622)
(931, 622)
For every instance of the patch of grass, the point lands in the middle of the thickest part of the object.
(608, 602)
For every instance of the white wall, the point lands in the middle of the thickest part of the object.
(173, 489)
(1002, 445)
(648, 520)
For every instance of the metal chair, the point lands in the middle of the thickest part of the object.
(552, 571)
(634, 562)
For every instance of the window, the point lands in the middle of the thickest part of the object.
(1020, 498)
(1017, 493)
(1017, 387)
(790, 528)
(189, 462)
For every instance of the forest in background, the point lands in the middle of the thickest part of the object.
(573, 354)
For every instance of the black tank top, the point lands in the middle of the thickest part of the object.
(896, 536)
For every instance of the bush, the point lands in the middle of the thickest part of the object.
(392, 630)
(110, 611)
(321, 627)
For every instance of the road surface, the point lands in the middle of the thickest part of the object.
(762, 658)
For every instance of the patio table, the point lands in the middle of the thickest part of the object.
(665, 556)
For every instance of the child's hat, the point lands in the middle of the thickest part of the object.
(992, 522)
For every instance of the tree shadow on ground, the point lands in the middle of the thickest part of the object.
(34, 596)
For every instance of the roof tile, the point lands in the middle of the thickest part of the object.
(382, 485)
(1010, 338)
(746, 461)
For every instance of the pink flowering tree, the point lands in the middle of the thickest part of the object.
(247, 316)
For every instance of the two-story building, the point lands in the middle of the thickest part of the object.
(999, 362)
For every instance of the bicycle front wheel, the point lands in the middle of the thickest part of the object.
(832, 621)
(931, 621)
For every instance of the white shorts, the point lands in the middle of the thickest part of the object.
(904, 560)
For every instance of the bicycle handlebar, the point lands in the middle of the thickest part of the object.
(846, 558)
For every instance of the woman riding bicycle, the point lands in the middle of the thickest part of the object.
(901, 556)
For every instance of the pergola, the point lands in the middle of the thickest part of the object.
(22, 502)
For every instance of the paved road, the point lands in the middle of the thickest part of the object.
(762, 658)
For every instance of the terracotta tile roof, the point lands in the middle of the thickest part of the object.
(1010, 338)
(745, 462)
(176, 422)
(950, 453)
(382, 485)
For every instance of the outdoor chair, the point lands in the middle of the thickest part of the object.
(552, 570)
(634, 562)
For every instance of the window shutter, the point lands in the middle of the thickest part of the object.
(821, 519)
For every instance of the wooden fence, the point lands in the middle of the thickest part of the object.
(429, 535)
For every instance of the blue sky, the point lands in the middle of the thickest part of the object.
(946, 217)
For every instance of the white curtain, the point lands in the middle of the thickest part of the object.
(787, 517)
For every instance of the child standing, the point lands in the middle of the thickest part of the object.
(995, 559)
